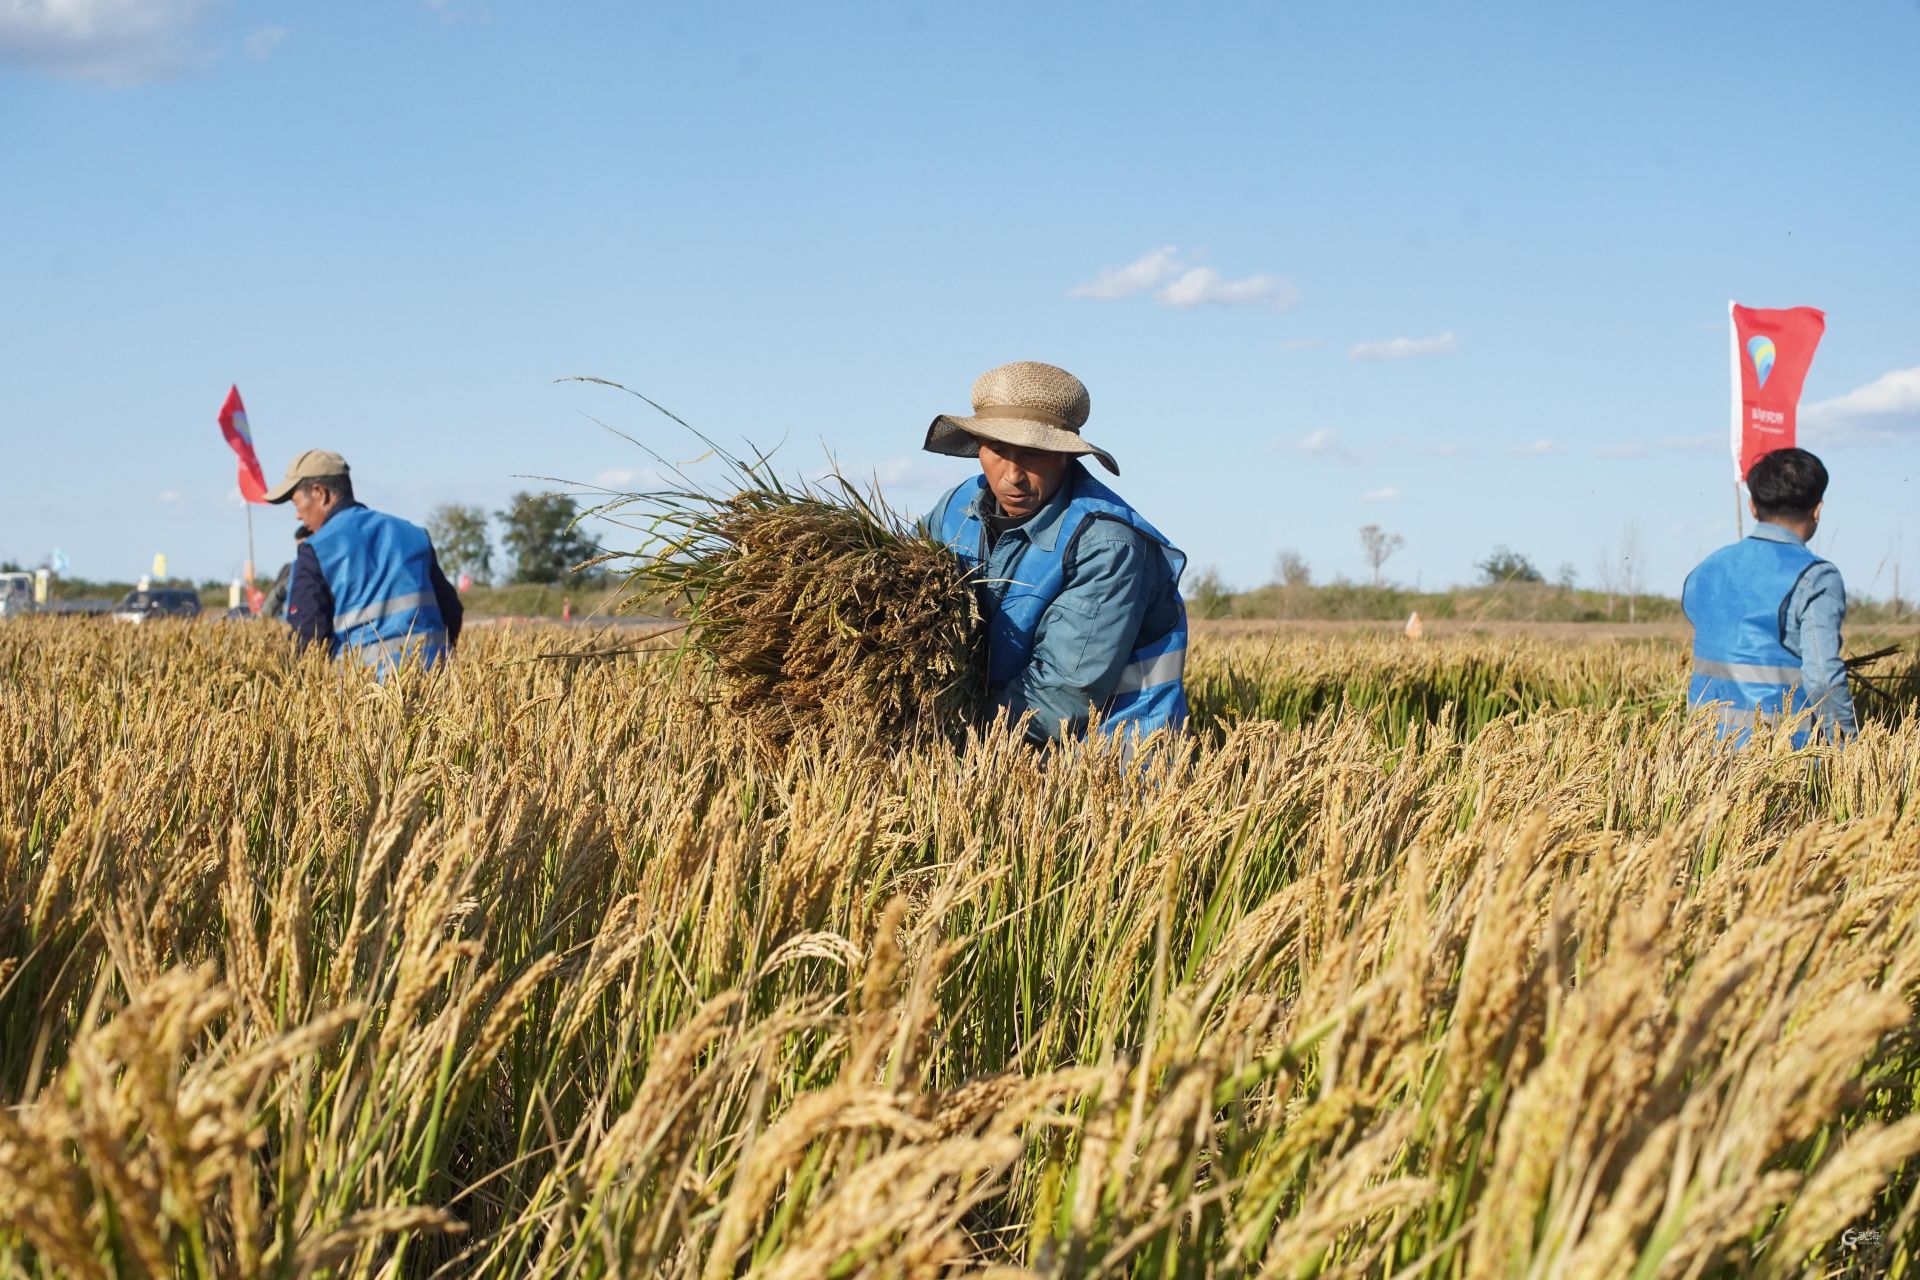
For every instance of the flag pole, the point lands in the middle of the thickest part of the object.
(252, 568)
(1739, 437)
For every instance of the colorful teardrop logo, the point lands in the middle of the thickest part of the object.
(1761, 350)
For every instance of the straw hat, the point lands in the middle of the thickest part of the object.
(1026, 403)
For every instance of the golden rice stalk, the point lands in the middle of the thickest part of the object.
(1842, 1190)
(813, 607)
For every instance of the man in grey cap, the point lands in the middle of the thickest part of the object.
(1081, 594)
(364, 583)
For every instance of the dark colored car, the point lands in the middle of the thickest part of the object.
(160, 602)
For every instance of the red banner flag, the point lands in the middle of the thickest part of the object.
(1772, 351)
(233, 425)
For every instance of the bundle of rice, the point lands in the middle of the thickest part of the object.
(816, 606)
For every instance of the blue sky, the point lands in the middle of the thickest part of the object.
(1461, 271)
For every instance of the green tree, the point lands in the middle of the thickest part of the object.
(460, 540)
(1505, 565)
(1211, 597)
(541, 536)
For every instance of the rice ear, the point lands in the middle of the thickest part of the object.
(815, 608)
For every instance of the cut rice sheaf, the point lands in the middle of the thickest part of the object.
(817, 608)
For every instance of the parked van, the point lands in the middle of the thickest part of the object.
(166, 602)
(16, 594)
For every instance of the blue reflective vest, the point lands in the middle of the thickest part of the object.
(380, 571)
(1150, 694)
(1737, 600)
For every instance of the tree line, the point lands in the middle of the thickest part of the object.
(540, 539)
(1616, 578)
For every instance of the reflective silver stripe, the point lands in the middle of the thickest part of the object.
(1149, 672)
(380, 609)
(375, 652)
(1746, 672)
(379, 651)
(1733, 717)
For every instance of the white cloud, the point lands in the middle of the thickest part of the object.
(1180, 281)
(111, 41)
(1665, 444)
(169, 496)
(1429, 448)
(1387, 494)
(1533, 448)
(1403, 348)
(903, 482)
(262, 43)
(1322, 442)
(1203, 285)
(1888, 406)
(1148, 271)
(916, 471)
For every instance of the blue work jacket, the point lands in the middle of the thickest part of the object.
(381, 577)
(1763, 648)
(1083, 608)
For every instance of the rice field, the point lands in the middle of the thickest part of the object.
(1472, 958)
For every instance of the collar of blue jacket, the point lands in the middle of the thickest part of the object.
(1772, 532)
(1042, 528)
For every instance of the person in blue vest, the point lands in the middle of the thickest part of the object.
(1767, 613)
(275, 604)
(364, 583)
(1081, 595)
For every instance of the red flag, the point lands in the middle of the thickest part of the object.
(233, 425)
(1772, 351)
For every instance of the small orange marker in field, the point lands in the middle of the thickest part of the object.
(1414, 628)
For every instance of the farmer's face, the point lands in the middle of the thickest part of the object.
(313, 503)
(1022, 479)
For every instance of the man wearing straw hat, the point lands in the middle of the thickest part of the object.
(1081, 594)
(364, 583)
